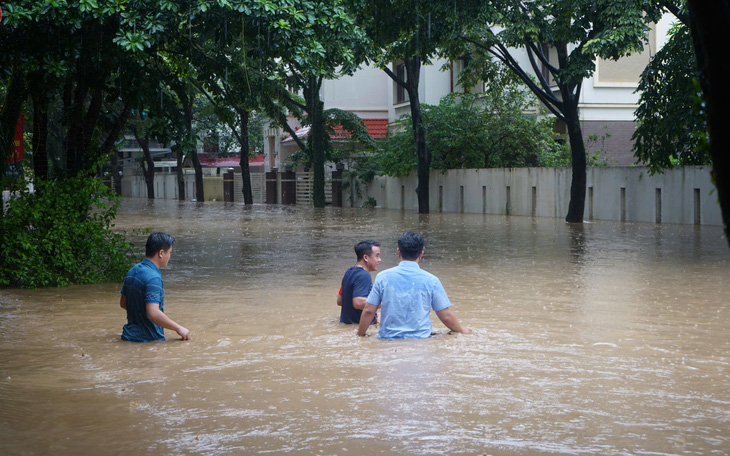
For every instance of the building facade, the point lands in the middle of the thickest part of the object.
(608, 100)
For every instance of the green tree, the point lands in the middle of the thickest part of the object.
(323, 44)
(669, 116)
(409, 34)
(61, 234)
(575, 33)
(75, 57)
(80, 66)
(486, 130)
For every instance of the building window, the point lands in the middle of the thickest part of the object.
(626, 71)
(401, 95)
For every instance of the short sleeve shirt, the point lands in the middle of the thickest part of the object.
(143, 284)
(406, 295)
(355, 283)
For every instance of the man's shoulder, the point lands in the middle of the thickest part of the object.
(355, 271)
(144, 273)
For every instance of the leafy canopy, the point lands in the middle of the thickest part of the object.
(671, 118)
(485, 130)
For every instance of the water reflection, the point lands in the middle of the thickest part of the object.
(606, 338)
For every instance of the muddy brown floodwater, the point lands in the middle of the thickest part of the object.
(608, 338)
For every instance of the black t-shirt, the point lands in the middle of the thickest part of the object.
(355, 283)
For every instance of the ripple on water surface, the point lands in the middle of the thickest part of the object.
(606, 338)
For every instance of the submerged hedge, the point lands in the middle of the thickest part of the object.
(61, 234)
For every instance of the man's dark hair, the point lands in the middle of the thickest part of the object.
(411, 245)
(365, 248)
(157, 242)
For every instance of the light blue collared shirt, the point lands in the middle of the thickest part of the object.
(406, 294)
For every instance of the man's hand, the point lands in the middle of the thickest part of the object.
(183, 332)
(365, 318)
(157, 316)
(449, 320)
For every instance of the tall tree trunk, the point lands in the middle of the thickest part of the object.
(74, 134)
(245, 171)
(187, 101)
(148, 168)
(107, 146)
(199, 192)
(413, 70)
(108, 149)
(40, 136)
(116, 173)
(709, 22)
(318, 137)
(89, 123)
(148, 165)
(576, 207)
(179, 174)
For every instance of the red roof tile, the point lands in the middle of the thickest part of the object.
(377, 128)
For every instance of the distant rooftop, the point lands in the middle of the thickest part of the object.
(377, 128)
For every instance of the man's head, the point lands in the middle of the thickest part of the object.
(410, 246)
(368, 253)
(159, 248)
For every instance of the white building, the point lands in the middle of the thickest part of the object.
(607, 101)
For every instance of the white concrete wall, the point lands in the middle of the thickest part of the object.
(545, 192)
(165, 186)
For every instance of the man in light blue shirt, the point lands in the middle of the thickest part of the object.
(406, 294)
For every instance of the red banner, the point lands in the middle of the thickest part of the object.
(18, 142)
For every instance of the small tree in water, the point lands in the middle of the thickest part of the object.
(61, 234)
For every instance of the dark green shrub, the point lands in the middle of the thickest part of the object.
(61, 235)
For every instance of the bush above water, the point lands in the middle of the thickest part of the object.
(60, 234)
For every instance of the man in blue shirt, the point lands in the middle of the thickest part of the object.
(406, 295)
(143, 294)
(356, 283)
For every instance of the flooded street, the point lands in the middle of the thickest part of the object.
(607, 338)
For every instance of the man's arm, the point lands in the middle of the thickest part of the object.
(157, 316)
(339, 299)
(359, 302)
(449, 320)
(367, 316)
(123, 302)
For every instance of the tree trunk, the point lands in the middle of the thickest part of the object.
(576, 207)
(40, 137)
(199, 192)
(187, 102)
(72, 143)
(107, 149)
(413, 69)
(709, 22)
(318, 138)
(148, 165)
(89, 123)
(116, 173)
(179, 174)
(245, 171)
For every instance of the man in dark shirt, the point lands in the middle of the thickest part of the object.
(356, 283)
(143, 294)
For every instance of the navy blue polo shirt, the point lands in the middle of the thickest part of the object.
(355, 283)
